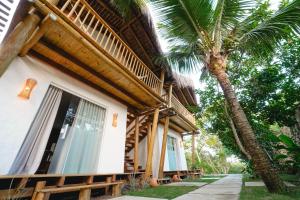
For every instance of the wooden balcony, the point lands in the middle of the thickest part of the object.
(81, 42)
(183, 121)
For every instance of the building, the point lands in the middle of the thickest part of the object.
(81, 94)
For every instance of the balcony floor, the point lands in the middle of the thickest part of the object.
(72, 52)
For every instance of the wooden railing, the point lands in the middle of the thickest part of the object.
(175, 103)
(82, 15)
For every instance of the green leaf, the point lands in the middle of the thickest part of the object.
(280, 156)
(287, 141)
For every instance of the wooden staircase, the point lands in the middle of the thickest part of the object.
(130, 137)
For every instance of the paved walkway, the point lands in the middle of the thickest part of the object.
(227, 188)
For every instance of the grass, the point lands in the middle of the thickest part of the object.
(261, 193)
(165, 192)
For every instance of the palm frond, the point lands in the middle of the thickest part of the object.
(184, 58)
(186, 20)
(228, 14)
(262, 39)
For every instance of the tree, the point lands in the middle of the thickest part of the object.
(268, 91)
(207, 32)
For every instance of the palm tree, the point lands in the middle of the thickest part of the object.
(208, 32)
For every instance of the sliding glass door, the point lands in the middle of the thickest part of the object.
(77, 149)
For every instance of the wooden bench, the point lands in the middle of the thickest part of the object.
(42, 193)
(164, 180)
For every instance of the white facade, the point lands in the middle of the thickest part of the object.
(179, 151)
(17, 114)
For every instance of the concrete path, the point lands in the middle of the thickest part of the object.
(198, 184)
(227, 188)
(136, 198)
(261, 184)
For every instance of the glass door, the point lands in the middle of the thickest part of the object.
(74, 142)
(171, 153)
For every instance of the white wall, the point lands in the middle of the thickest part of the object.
(180, 156)
(17, 114)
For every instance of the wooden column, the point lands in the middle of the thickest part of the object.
(148, 135)
(162, 79)
(151, 144)
(38, 195)
(163, 148)
(136, 145)
(165, 137)
(13, 44)
(193, 149)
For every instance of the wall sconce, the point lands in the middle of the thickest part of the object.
(115, 120)
(27, 89)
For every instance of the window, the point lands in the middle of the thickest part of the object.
(7, 11)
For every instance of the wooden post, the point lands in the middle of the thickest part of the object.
(165, 137)
(170, 96)
(149, 130)
(108, 180)
(38, 34)
(193, 149)
(148, 135)
(136, 145)
(15, 41)
(163, 148)
(116, 190)
(61, 181)
(36, 194)
(84, 194)
(162, 79)
(13, 44)
(151, 144)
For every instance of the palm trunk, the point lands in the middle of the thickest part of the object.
(235, 134)
(262, 164)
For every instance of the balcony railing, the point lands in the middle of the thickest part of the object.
(175, 103)
(83, 17)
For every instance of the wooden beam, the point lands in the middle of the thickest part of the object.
(162, 79)
(163, 148)
(38, 34)
(13, 44)
(193, 150)
(136, 145)
(151, 144)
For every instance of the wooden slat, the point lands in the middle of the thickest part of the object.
(126, 60)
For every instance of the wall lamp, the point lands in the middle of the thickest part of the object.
(27, 89)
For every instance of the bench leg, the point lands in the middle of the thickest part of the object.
(39, 195)
(108, 180)
(85, 194)
(116, 190)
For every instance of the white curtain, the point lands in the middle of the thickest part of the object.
(31, 152)
(77, 149)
